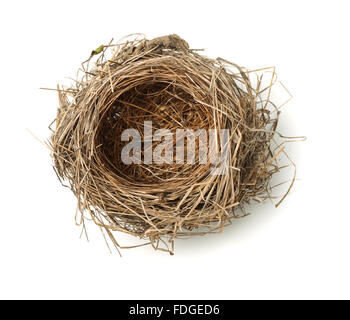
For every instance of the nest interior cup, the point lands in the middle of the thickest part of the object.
(162, 84)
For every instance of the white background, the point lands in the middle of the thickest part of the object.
(300, 250)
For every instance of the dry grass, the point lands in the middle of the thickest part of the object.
(165, 82)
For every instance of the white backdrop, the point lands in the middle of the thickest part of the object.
(300, 250)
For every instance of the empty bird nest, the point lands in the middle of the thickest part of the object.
(161, 142)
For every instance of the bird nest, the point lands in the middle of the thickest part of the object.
(168, 98)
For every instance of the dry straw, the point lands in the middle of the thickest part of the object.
(163, 81)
